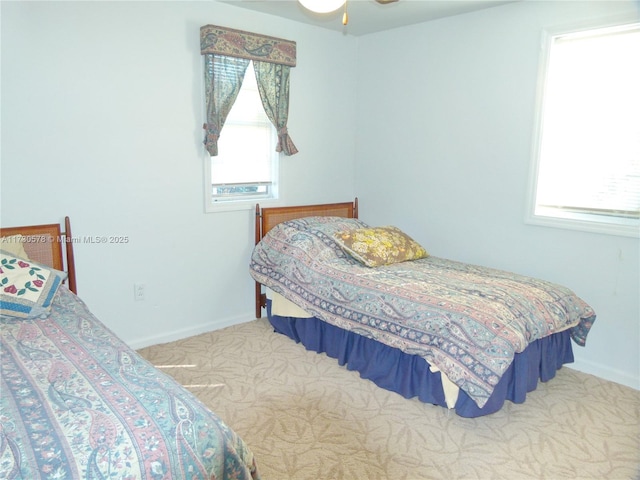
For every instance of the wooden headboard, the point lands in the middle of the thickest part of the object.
(45, 244)
(267, 218)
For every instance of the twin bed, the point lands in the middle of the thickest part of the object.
(75, 401)
(460, 336)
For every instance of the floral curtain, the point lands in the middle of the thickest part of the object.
(273, 85)
(223, 79)
(227, 54)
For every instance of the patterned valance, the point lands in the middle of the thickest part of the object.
(252, 46)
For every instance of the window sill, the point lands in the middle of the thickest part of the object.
(237, 205)
(588, 223)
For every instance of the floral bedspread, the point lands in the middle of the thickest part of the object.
(76, 402)
(468, 321)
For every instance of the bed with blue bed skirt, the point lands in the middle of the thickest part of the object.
(462, 336)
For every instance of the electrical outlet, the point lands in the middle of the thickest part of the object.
(138, 292)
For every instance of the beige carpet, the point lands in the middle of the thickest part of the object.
(305, 417)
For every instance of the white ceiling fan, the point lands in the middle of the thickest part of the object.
(327, 6)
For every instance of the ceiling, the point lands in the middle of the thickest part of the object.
(368, 16)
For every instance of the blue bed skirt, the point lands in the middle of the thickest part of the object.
(409, 375)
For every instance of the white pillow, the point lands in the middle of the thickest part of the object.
(14, 244)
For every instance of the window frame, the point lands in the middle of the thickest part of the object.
(572, 221)
(239, 202)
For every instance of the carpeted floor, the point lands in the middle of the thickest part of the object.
(305, 417)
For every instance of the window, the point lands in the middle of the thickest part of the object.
(586, 165)
(246, 167)
(246, 91)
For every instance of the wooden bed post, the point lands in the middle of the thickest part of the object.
(258, 236)
(68, 246)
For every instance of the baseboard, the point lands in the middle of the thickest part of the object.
(167, 337)
(606, 373)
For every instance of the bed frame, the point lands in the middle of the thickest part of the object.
(44, 244)
(267, 218)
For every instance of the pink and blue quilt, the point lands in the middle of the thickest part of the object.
(77, 403)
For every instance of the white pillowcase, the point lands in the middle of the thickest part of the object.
(14, 244)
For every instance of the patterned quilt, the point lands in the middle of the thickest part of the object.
(468, 321)
(76, 402)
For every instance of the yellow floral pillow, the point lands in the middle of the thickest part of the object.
(380, 245)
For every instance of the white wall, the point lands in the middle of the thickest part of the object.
(445, 124)
(102, 121)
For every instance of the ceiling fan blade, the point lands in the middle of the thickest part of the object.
(386, 1)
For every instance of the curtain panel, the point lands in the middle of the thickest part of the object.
(227, 53)
(273, 85)
(223, 79)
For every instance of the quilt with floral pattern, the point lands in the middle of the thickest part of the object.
(77, 403)
(469, 321)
